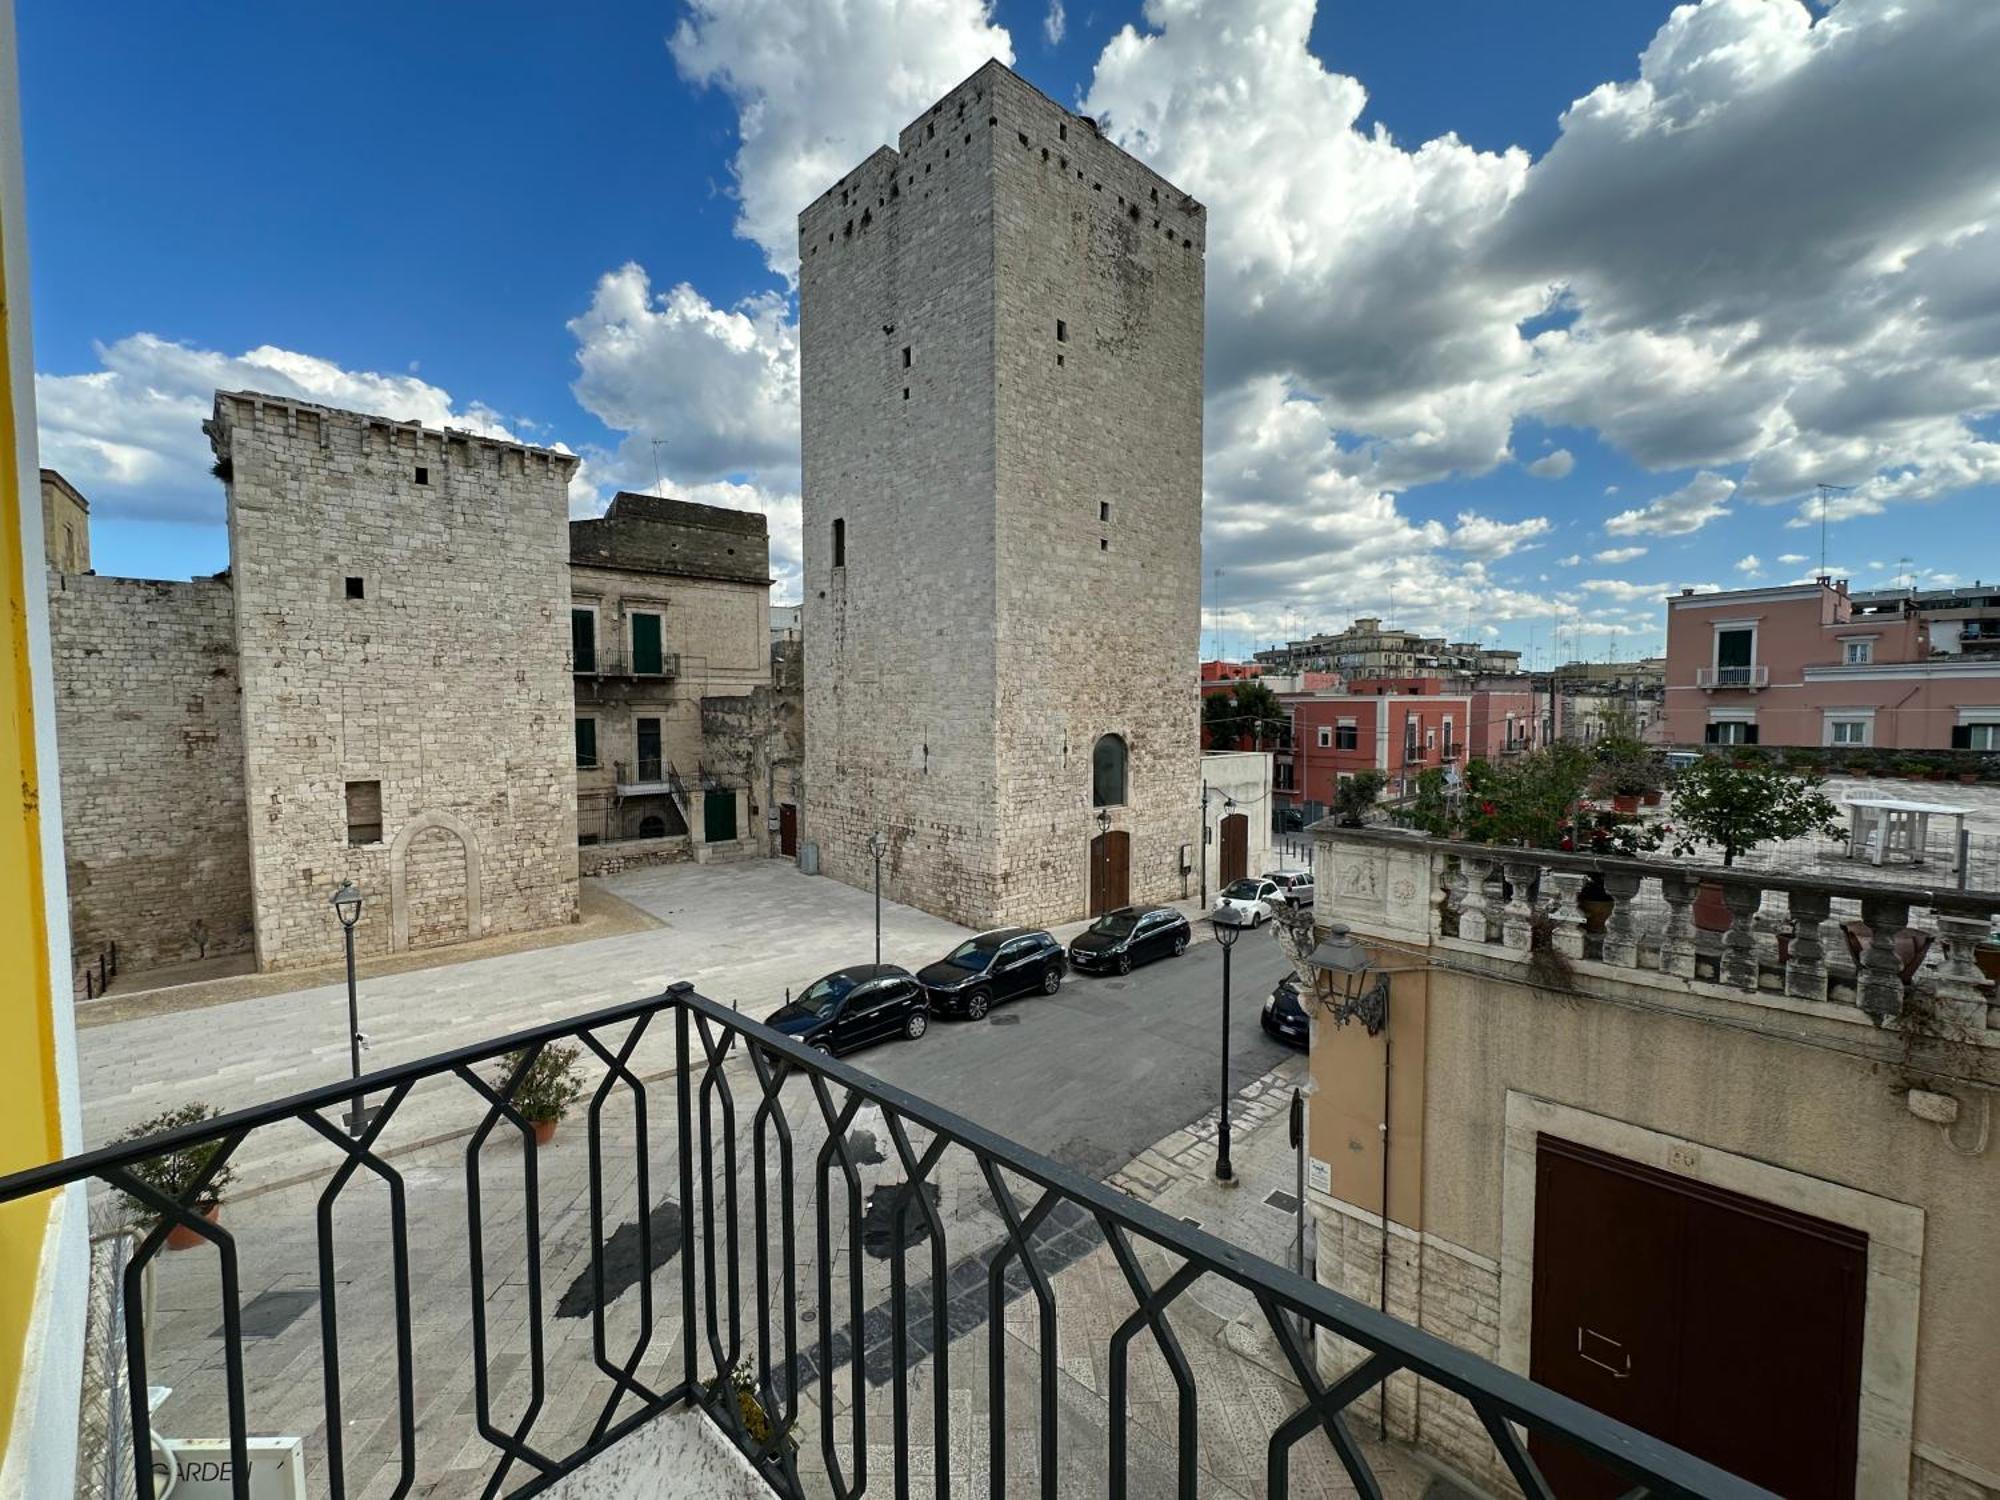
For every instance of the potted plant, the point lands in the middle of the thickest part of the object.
(546, 1090)
(1736, 808)
(1530, 800)
(173, 1173)
(1987, 956)
(1354, 796)
(1595, 902)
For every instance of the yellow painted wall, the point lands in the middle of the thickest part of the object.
(30, 1120)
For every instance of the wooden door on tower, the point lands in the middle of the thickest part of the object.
(1235, 847)
(1110, 871)
(788, 830)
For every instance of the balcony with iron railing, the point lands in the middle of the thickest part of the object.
(617, 666)
(783, 1276)
(1751, 678)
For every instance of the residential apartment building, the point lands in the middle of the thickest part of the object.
(669, 607)
(1400, 727)
(1369, 649)
(1809, 664)
(1000, 379)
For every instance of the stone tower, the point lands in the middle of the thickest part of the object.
(402, 632)
(1001, 333)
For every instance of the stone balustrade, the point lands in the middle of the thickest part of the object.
(1889, 951)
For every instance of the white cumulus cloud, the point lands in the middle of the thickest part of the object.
(1617, 554)
(1556, 465)
(1689, 508)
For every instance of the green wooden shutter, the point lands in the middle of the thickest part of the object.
(583, 638)
(646, 659)
(586, 742)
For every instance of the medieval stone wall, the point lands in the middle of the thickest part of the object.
(149, 732)
(403, 621)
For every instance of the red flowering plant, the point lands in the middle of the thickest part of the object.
(1530, 800)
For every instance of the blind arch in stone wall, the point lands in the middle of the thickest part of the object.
(399, 875)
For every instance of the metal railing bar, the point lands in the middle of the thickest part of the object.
(360, 1152)
(1019, 1233)
(1150, 1312)
(836, 1148)
(916, 1170)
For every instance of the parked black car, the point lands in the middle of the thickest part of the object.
(1284, 1017)
(980, 972)
(856, 1006)
(1130, 935)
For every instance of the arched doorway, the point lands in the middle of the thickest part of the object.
(1235, 847)
(434, 883)
(1110, 871)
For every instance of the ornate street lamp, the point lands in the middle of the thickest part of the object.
(347, 906)
(1228, 923)
(1341, 969)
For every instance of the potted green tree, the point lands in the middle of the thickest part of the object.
(1354, 796)
(545, 1092)
(174, 1172)
(1735, 808)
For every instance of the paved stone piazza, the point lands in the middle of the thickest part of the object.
(1001, 362)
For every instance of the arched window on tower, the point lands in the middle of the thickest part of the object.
(1107, 772)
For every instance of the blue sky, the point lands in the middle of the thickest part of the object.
(1475, 362)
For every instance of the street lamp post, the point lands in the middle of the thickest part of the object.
(878, 846)
(347, 906)
(1227, 923)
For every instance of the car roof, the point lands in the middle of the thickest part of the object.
(862, 973)
(1139, 911)
(1001, 935)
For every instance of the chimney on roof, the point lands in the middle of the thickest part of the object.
(1687, 593)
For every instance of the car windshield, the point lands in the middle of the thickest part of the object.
(974, 954)
(1244, 890)
(823, 996)
(1115, 924)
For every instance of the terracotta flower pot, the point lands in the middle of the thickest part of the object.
(1625, 802)
(1596, 913)
(545, 1131)
(180, 1237)
(1968, 778)
(1987, 956)
(1650, 799)
(1711, 912)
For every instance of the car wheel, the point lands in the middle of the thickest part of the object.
(1124, 963)
(977, 1004)
(822, 1049)
(1052, 981)
(917, 1025)
(1180, 943)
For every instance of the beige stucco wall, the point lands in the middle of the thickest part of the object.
(65, 524)
(1814, 1104)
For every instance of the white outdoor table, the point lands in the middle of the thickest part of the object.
(1881, 826)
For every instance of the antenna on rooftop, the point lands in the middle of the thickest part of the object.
(1826, 489)
(659, 484)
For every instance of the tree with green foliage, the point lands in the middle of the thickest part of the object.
(1529, 800)
(1737, 807)
(1355, 795)
(1249, 713)
(1430, 807)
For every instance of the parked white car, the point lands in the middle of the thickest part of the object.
(1296, 886)
(1256, 899)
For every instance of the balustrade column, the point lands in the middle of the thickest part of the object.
(1961, 1001)
(1677, 942)
(1880, 978)
(1805, 973)
(1517, 925)
(1739, 944)
(1449, 896)
(1621, 929)
(1562, 887)
(1476, 901)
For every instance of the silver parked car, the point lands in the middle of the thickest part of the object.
(1296, 886)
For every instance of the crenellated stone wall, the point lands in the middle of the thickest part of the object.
(402, 612)
(149, 733)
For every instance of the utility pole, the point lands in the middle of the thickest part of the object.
(1825, 490)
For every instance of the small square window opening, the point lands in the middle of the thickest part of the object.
(364, 812)
(1062, 331)
(356, 589)
(906, 356)
(423, 475)
(1104, 510)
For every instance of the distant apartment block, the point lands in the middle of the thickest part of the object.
(1812, 664)
(1369, 649)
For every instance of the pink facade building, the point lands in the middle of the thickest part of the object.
(1808, 664)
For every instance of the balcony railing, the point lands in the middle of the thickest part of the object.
(730, 1343)
(1886, 949)
(611, 665)
(1753, 678)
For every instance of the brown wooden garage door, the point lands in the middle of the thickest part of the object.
(1727, 1326)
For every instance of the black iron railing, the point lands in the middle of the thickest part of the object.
(741, 1362)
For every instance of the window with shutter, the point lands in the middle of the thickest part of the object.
(647, 657)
